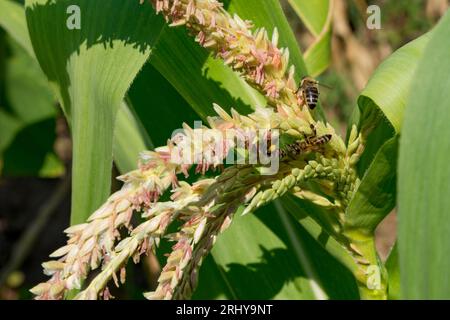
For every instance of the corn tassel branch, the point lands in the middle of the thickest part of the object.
(207, 207)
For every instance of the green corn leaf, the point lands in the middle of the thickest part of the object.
(376, 195)
(318, 55)
(313, 13)
(246, 263)
(393, 269)
(29, 129)
(30, 152)
(318, 262)
(164, 101)
(9, 127)
(31, 105)
(12, 19)
(213, 282)
(382, 103)
(92, 68)
(424, 175)
(184, 63)
(127, 134)
(249, 265)
(317, 17)
(27, 88)
(130, 139)
(388, 88)
(313, 220)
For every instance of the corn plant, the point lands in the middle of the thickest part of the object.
(126, 73)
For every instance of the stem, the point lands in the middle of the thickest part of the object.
(371, 275)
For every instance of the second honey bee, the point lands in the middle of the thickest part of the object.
(309, 144)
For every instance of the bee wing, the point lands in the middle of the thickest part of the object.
(325, 86)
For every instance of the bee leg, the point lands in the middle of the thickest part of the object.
(307, 139)
(310, 139)
(313, 128)
(300, 97)
(304, 99)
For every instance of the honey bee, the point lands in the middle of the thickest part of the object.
(309, 90)
(309, 144)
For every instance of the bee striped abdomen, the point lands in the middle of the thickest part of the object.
(301, 147)
(311, 96)
(322, 140)
(309, 90)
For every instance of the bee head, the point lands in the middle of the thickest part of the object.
(307, 80)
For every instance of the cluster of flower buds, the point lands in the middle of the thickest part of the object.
(206, 219)
(206, 207)
(95, 242)
(89, 243)
(252, 53)
(145, 237)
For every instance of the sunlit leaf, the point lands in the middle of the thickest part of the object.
(12, 19)
(92, 69)
(313, 13)
(200, 79)
(159, 107)
(317, 17)
(424, 175)
(382, 102)
(389, 86)
(129, 139)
